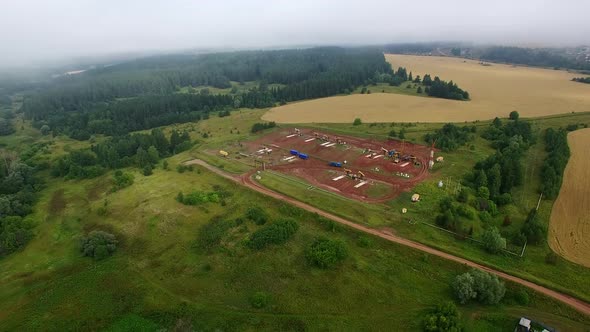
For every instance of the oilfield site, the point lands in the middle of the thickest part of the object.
(434, 187)
(368, 170)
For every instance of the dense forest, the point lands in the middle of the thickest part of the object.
(141, 94)
(581, 79)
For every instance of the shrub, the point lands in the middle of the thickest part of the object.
(466, 212)
(147, 170)
(211, 233)
(122, 180)
(484, 216)
(514, 115)
(98, 245)
(478, 285)
(198, 197)
(463, 196)
(445, 317)
(325, 253)
(504, 199)
(357, 122)
(522, 297)
(551, 258)
(257, 215)
(259, 300)
(262, 126)
(533, 229)
(493, 242)
(277, 232)
(15, 232)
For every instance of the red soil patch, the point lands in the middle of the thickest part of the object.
(380, 171)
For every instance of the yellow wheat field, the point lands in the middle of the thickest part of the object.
(569, 229)
(495, 90)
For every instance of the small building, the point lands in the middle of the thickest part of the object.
(404, 210)
(223, 153)
(524, 325)
(415, 197)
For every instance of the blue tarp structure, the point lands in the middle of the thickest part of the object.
(303, 155)
(294, 152)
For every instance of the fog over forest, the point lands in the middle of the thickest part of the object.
(41, 32)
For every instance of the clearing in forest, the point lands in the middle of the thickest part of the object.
(569, 230)
(495, 90)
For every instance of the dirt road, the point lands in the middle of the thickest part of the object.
(577, 304)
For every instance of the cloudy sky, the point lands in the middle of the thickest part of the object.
(35, 31)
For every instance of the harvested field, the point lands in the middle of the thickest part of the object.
(569, 229)
(383, 179)
(495, 90)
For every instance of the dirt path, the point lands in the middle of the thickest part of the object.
(577, 304)
(569, 227)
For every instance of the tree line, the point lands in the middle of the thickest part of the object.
(532, 57)
(581, 79)
(558, 153)
(140, 150)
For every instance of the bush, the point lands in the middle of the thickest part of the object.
(463, 196)
(552, 258)
(147, 170)
(277, 232)
(257, 215)
(259, 300)
(98, 245)
(211, 233)
(357, 122)
(478, 285)
(122, 180)
(325, 253)
(15, 233)
(450, 137)
(262, 126)
(466, 212)
(198, 197)
(504, 199)
(522, 297)
(514, 115)
(445, 317)
(493, 242)
(533, 229)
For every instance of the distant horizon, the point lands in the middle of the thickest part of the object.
(85, 60)
(37, 32)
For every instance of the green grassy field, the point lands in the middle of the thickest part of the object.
(160, 278)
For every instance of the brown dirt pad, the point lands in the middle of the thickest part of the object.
(569, 228)
(380, 172)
